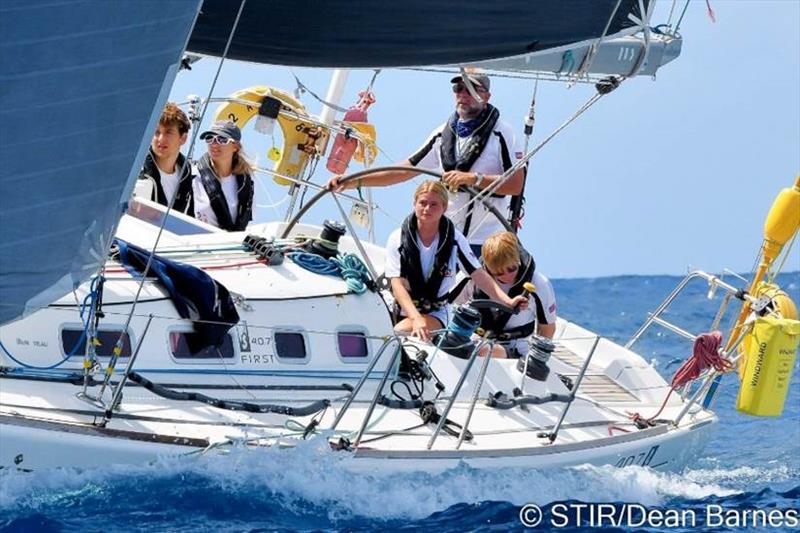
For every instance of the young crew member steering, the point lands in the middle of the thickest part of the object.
(512, 266)
(421, 259)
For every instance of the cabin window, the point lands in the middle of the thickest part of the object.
(352, 344)
(190, 345)
(290, 345)
(73, 342)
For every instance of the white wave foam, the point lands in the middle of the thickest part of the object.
(313, 473)
(744, 476)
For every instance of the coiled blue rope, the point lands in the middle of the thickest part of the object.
(315, 263)
(347, 266)
(353, 271)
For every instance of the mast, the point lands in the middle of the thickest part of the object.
(327, 116)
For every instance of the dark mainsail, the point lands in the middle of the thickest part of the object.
(380, 33)
(82, 83)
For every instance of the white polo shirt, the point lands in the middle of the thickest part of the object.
(461, 255)
(490, 161)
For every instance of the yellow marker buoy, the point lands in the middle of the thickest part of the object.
(771, 352)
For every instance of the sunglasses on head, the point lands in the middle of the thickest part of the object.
(219, 139)
(509, 270)
(460, 86)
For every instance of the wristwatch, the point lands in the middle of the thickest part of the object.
(479, 177)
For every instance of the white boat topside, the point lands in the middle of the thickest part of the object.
(286, 298)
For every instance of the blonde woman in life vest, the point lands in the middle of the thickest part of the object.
(422, 258)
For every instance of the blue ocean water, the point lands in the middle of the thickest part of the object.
(750, 463)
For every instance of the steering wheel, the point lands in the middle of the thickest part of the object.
(358, 175)
(491, 304)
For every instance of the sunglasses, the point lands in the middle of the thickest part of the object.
(508, 270)
(219, 139)
(460, 87)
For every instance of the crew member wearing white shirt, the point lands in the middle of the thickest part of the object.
(421, 260)
(511, 266)
(472, 148)
(223, 183)
(165, 167)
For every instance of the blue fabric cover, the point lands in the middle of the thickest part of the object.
(195, 294)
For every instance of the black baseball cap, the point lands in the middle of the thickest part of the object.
(475, 79)
(223, 128)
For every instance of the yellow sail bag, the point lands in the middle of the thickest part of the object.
(771, 348)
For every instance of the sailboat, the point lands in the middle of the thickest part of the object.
(101, 358)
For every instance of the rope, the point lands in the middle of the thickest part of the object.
(118, 347)
(315, 263)
(303, 87)
(347, 266)
(89, 301)
(372, 81)
(353, 271)
(705, 355)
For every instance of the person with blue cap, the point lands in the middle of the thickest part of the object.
(223, 183)
(472, 148)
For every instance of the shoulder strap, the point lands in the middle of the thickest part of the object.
(494, 320)
(422, 152)
(150, 171)
(525, 273)
(215, 195)
(422, 290)
(244, 213)
(474, 147)
(184, 201)
(517, 201)
(505, 156)
(441, 262)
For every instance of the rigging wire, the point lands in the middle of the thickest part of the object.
(680, 19)
(788, 250)
(118, 346)
(527, 156)
(671, 11)
(306, 89)
(592, 53)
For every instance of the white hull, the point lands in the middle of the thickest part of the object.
(31, 445)
(44, 423)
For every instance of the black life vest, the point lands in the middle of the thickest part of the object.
(184, 199)
(475, 145)
(208, 178)
(473, 149)
(425, 293)
(495, 320)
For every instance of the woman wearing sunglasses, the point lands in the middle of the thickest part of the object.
(512, 266)
(422, 257)
(223, 182)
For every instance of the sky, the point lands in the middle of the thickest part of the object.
(660, 177)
